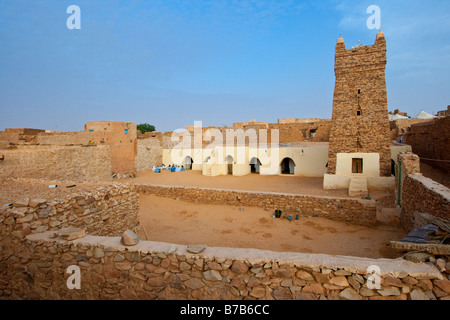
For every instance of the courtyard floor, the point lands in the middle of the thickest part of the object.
(180, 222)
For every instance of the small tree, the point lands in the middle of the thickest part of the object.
(145, 127)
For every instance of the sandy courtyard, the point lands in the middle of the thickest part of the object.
(251, 182)
(180, 222)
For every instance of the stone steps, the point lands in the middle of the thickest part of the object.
(358, 187)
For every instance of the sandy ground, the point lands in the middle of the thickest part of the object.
(179, 222)
(252, 182)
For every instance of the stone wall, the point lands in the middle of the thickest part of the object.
(360, 109)
(149, 153)
(77, 164)
(421, 194)
(107, 210)
(162, 271)
(431, 140)
(360, 212)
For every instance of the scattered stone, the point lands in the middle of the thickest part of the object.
(119, 258)
(44, 213)
(212, 275)
(258, 292)
(349, 294)
(21, 203)
(196, 248)
(239, 267)
(194, 283)
(313, 288)
(99, 252)
(441, 265)
(417, 257)
(36, 202)
(129, 238)
(389, 291)
(281, 293)
(443, 285)
(304, 275)
(366, 292)
(340, 281)
(70, 234)
(418, 294)
(390, 281)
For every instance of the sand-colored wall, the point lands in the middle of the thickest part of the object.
(149, 153)
(163, 271)
(121, 137)
(310, 160)
(76, 164)
(356, 211)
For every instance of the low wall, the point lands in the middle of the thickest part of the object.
(152, 270)
(108, 210)
(421, 194)
(76, 164)
(356, 211)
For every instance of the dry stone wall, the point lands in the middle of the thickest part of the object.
(421, 194)
(356, 211)
(431, 140)
(107, 210)
(418, 193)
(78, 164)
(163, 271)
(149, 154)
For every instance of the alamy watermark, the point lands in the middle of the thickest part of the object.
(74, 280)
(374, 21)
(374, 280)
(74, 20)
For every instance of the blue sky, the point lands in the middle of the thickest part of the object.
(170, 63)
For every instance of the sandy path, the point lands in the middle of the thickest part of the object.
(180, 222)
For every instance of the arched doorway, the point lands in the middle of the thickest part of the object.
(188, 163)
(230, 161)
(287, 166)
(255, 164)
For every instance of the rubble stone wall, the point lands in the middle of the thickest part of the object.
(431, 140)
(421, 194)
(149, 153)
(108, 210)
(76, 164)
(152, 270)
(360, 212)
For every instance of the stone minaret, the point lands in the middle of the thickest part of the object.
(360, 110)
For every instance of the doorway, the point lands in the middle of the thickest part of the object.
(230, 161)
(287, 166)
(255, 164)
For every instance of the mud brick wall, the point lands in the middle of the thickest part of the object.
(431, 140)
(360, 86)
(151, 270)
(360, 212)
(421, 194)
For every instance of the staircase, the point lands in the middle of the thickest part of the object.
(358, 187)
